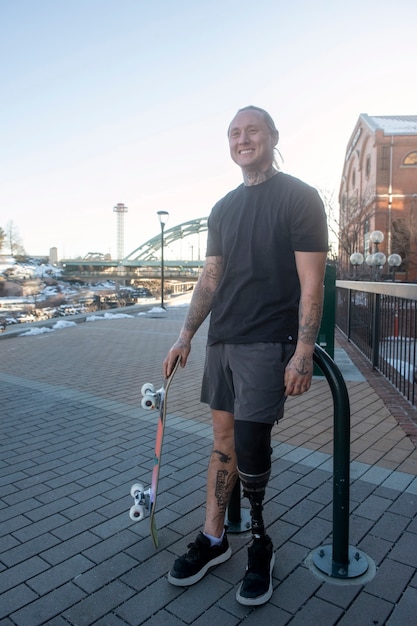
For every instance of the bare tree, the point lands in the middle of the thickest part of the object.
(404, 235)
(2, 238)
(13, 239)
(347, 226)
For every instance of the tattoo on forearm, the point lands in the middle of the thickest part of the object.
(310, 324)
(199, 309)
(203, 296)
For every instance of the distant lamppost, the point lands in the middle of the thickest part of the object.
(356, 259)
(163, 218)
(377, 259)
(394, 261)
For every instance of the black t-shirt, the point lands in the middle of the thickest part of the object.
(256, 230)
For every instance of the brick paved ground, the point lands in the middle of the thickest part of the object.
(74, 438)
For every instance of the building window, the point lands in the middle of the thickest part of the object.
(384, 164)
(354, 179)
(368, 166)
(385, 158)
(411, 159)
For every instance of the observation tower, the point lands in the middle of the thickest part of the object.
(120, 209)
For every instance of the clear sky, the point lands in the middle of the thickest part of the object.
(107, 101)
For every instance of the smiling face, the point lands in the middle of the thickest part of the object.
(252, 142)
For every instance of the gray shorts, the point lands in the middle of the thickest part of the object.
(247, 380)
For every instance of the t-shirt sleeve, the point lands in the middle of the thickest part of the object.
(309, 231)
(213, 239)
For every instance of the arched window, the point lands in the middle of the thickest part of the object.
(368, 166)
(411, 159)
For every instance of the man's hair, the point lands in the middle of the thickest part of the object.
(267, 118)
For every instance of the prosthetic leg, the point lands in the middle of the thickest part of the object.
(253, 453)
(254, 489)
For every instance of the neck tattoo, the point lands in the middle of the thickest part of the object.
(257, 177)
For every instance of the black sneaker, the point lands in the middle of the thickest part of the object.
(191, 567)
(256, 587)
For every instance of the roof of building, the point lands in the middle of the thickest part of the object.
(392, 124)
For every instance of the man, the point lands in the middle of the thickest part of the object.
(262, 282)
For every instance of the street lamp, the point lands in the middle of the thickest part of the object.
(356, 259)
(394, 261)
(377, 259)
(376, 237)
(163, 218)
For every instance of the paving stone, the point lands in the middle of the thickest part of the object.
(67, 549)
(405, 612)
(316, 611)
(390, 526)
(198, 598)
(266, 614)
(391, 580)
(296, 589)
(373, 507)
(302, 512)
(24, 551)
(366, 610)
(149, 571)
(110, 620)
(164, 618)
(374, 547)
(43, 609)
(98, 604)
(112, 545)
(59, 574)
(51, 523)
(293, 494)
(313, 534)
(15, 598)
(405, 551)
(340, 595)
(140, 607)
(100, 575)
(406, 504)
(22, 572)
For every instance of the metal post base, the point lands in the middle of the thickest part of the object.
(323, 559)
(241, 525)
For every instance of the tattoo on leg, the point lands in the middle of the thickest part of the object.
(223, 458)
(224, 485)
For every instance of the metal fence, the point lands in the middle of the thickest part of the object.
(381, 320)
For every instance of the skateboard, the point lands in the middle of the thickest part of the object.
(146, 498)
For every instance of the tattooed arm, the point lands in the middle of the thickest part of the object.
(299, 372)
(200, 307)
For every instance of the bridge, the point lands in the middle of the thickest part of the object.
(145, 261)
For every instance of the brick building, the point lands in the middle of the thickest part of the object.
(378, 191)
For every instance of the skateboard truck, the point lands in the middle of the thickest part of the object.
(151, 398)
(142, 499)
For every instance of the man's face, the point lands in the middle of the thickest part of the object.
(251, 142)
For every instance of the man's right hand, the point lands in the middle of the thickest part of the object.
(181, 349)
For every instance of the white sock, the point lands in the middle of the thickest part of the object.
(214, 541)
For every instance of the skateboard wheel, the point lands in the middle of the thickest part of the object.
(136, 513)
(148, 402)
(136, 489)
(147, 388)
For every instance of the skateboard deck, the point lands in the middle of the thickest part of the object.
(146, 499)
